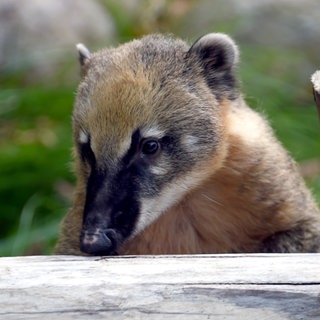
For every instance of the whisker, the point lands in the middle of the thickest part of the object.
(202, 194)
(212, 200)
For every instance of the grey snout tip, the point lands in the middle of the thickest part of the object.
(98, 242)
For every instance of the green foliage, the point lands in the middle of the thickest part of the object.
(271, 85)
(35, 147)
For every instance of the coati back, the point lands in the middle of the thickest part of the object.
(169, 159)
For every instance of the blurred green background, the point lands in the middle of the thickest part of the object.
(36, 180)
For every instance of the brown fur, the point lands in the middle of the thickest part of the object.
(253, 198)
(245, 202)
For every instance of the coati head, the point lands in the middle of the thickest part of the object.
(148, 129)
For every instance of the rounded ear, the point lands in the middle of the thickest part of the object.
(84, 53)
(217, 55)
(216, 52)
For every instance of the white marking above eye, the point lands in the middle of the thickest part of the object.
(83, 137)
(152, 132)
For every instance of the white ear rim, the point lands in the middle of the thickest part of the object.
(219, 39)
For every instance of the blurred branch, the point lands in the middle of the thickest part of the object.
(315, 79)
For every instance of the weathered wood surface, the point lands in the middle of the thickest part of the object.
(164, 287)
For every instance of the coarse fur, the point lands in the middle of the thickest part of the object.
(171, 160)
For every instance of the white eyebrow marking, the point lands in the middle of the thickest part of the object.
(83, 137)
(152, 132)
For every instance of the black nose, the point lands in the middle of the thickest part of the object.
(99, 242)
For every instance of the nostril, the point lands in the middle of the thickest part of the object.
(112, 235)
(98, 242)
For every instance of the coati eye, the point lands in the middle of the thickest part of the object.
(150, 146)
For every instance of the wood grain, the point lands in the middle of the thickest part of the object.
(161, 287)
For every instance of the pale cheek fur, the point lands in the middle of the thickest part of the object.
(158, 170)
(152, 208)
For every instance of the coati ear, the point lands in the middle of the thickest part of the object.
(218, 56)
(216, 51)
(84, 53)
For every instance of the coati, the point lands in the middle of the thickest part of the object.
(169, 158)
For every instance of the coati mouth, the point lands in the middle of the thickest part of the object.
(100, 242)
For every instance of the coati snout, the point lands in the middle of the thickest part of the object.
(110, 207)
(100, 242)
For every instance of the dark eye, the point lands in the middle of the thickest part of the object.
(150, 147)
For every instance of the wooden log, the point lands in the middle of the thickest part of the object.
(162, 287)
